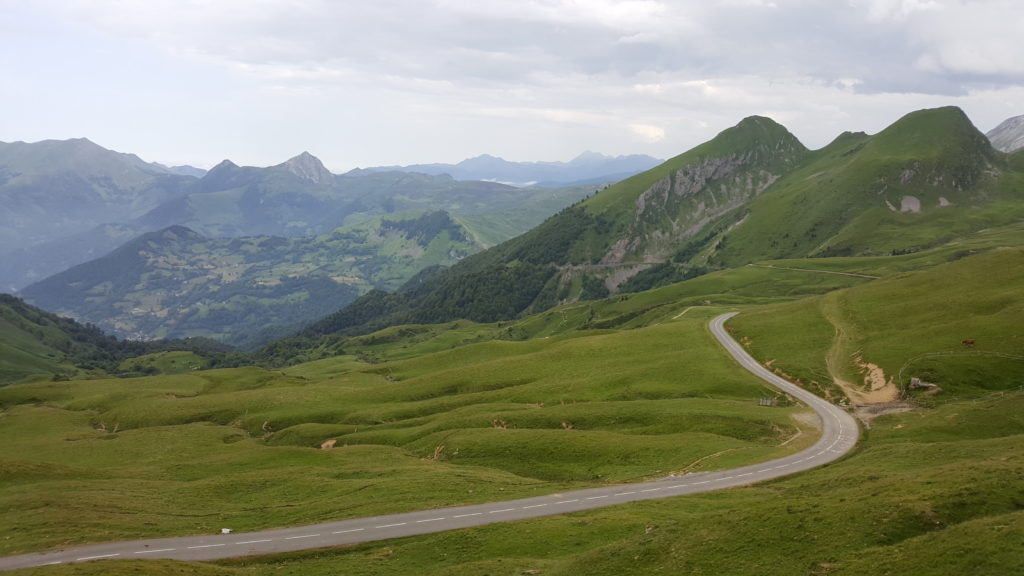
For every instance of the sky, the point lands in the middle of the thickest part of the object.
(363, 83)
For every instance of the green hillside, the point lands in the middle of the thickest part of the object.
(929, 178)
(752, 193)
(189, 453)
(571, 407)
(40, 346)
(176, 283)
(573, 356)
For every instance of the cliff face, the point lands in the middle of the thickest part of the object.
(1009, 135)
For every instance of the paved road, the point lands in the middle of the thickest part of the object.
(839, 435)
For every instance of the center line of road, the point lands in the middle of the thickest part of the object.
(465, 515)
(303, 536)
(502, 510)
(534, 506)
(651, 490)
(392, 525)
(347, 531)
(429, 520)
(205, 546)
(154, 551)
(96, 557)
(625, 493)
(568, 501)
(254, 541)
(596, 497)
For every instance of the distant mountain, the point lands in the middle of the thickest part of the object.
(1009, 135)
(186, 171)
(587, 168)
(177, 283)
(58, 188)
(750, 194)
(71, 201)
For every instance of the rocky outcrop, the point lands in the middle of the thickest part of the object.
(309, 167)
(1009, 135)
(679, 206)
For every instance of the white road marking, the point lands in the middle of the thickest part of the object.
(702, 482)
(568, 501)
(205, 546)
(392, 525)
(651, 490)
(155, 551)
(534, 506)
(596, 497)
(347, 531)
(626, 493)
(254, 541)
(96, 557)
(747, 474)
(502, 510)
(465, 515)
(430, 520)
(303, 536)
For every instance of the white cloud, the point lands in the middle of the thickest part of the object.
(417, 80)
(648, 132)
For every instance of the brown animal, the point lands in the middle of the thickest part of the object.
(968, 343)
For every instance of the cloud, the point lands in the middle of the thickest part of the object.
(648, 132)
(544, 78)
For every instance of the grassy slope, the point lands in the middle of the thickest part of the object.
(836, 203)
(189, 453)
(911, 325)
(934, 491)
(928, 492)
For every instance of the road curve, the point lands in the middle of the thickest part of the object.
(839, 435)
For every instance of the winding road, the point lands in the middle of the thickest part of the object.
(839, 435)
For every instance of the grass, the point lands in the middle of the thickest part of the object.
(911, 325)
(933, 492)
(98, 460)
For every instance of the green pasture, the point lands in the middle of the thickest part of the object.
(96, 460)
(934, 492)
(910, 324)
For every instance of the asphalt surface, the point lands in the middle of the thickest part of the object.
(839, 435)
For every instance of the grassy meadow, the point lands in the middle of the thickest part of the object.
(96, 460)
(620, 390)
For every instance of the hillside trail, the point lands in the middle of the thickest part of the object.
(877, 395)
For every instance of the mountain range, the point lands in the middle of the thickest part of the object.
(67, 202)
(752, 193)
(587, 168)
(177, 283)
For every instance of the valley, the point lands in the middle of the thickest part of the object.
(880, 273)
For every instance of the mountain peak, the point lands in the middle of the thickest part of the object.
(224, 165)
(1009, 135)
(309, 167)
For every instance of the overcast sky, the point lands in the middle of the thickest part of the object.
(380, 82)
